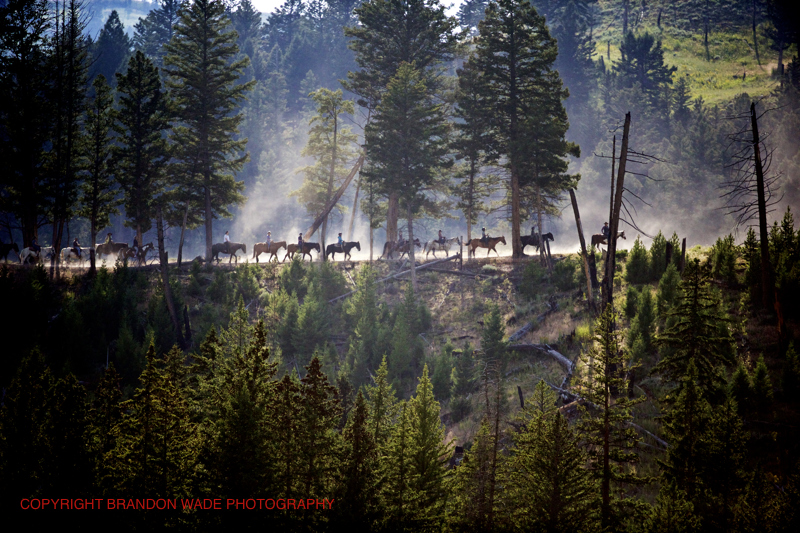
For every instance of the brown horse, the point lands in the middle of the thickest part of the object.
(113, 248)
(598, 239)
(489, 243)
(391, 247)
(262, 248)
(307, 247)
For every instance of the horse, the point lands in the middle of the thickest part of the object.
(112, 248)
(391, 247)
(432, 246)
(333, 249)
(307, 247)
(489, 243)
(598, 239)
(262, 248)
(69, 253)
(140, 255)
(533, 239)
(5, 249)
(233, 247)
(29, 255)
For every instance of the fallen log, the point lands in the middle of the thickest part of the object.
(543, 348)
(423, 267)
(333, 201)
(458, 273)
(530, 325)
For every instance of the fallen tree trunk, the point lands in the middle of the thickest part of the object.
(543, 348)
(423, 267)
(458, 273)
(530, 325)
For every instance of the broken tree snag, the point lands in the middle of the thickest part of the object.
(579, 225)
(608, 280)
(423, 267)
(530, 325)
(669, 254)
(542, 348)
(768, 290)
(683, 254)
(521, 399)
(335, 200)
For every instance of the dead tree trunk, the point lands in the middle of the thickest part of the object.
(766, 277)
(392, 212)
(333, 201)
(353, 214)
(163, 260)
(183, 233)
(608, 280)
(589, 296)
(683, 254)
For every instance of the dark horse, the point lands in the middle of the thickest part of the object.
(333, 249)
(219, 248)
(533, 240)
(6, 248)
(598, 239)
(307, 247)
(391, 247)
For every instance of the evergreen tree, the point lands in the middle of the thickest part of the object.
(607, 432)
(672, 513)
(141, 152)
(514, 59)
(154, 31)
(285, 437)
(667, 293)
(551, 490)
(407, 350)
(68, 464)
(330, 143)
(406, 145)
(397, 489)
(637, 269)
(493, 345)
(391, 33)
(383, 407)
(470, 13)
(362, 311)
(105, 414)
(98, 195)
(762, 389)
(203, 80)
(470, 508)
(111, 49)
(442, 370)
(642, 63)
(24, 114)
(643, 325)
(658, 257)
(699, 333)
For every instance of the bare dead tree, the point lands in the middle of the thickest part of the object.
(749, 192)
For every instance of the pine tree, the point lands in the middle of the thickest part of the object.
(362, 311)
(383, 407)
(672, 513)
(284, 429)
(429, 452)
(470, 13)
(406, 145)
(667, 293)
(762, 389)
(514, 58)
(106, 413)
(330, 143)
(397, 489)
(637, 269)
(610, 438)
(25, 116)
(699, 334)
(551, 490)
(141, 152)
(111, 50)
(642, 63)
(658, 257)
(406, 350)
(203, 80)
(68, 464)
(154, 31)
(470, 508)
(98, 195)
(493, 345)
(390, 33)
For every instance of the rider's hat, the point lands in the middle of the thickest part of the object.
(483, 229)
(605, 223)
(340, 233)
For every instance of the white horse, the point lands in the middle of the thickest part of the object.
(27, 254)
(68, 254)
(432, 246)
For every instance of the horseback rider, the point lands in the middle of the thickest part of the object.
(442, 238)
(300, 242)
(484, 237)
(109, 239)
(341, 242)
(227, 242)
(135, 247)
(400, 240)
(35, 246)
(76, 247)
(269, 240)
(605, 230)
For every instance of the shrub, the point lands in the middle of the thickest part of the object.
(564, 273)
(533, 277)
(637, 270)
(631, 301)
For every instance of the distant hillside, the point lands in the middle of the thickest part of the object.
(129, 12)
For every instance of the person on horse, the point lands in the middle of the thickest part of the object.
(227, 242)
(605, 230)
(484, 237)
(109, 239)
(269, 240)
(135, 247)
(76, 247)
(300, 243)
(442, 238)
(35, 246)
(340, 242)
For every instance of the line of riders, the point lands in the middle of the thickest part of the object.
(270, 246)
